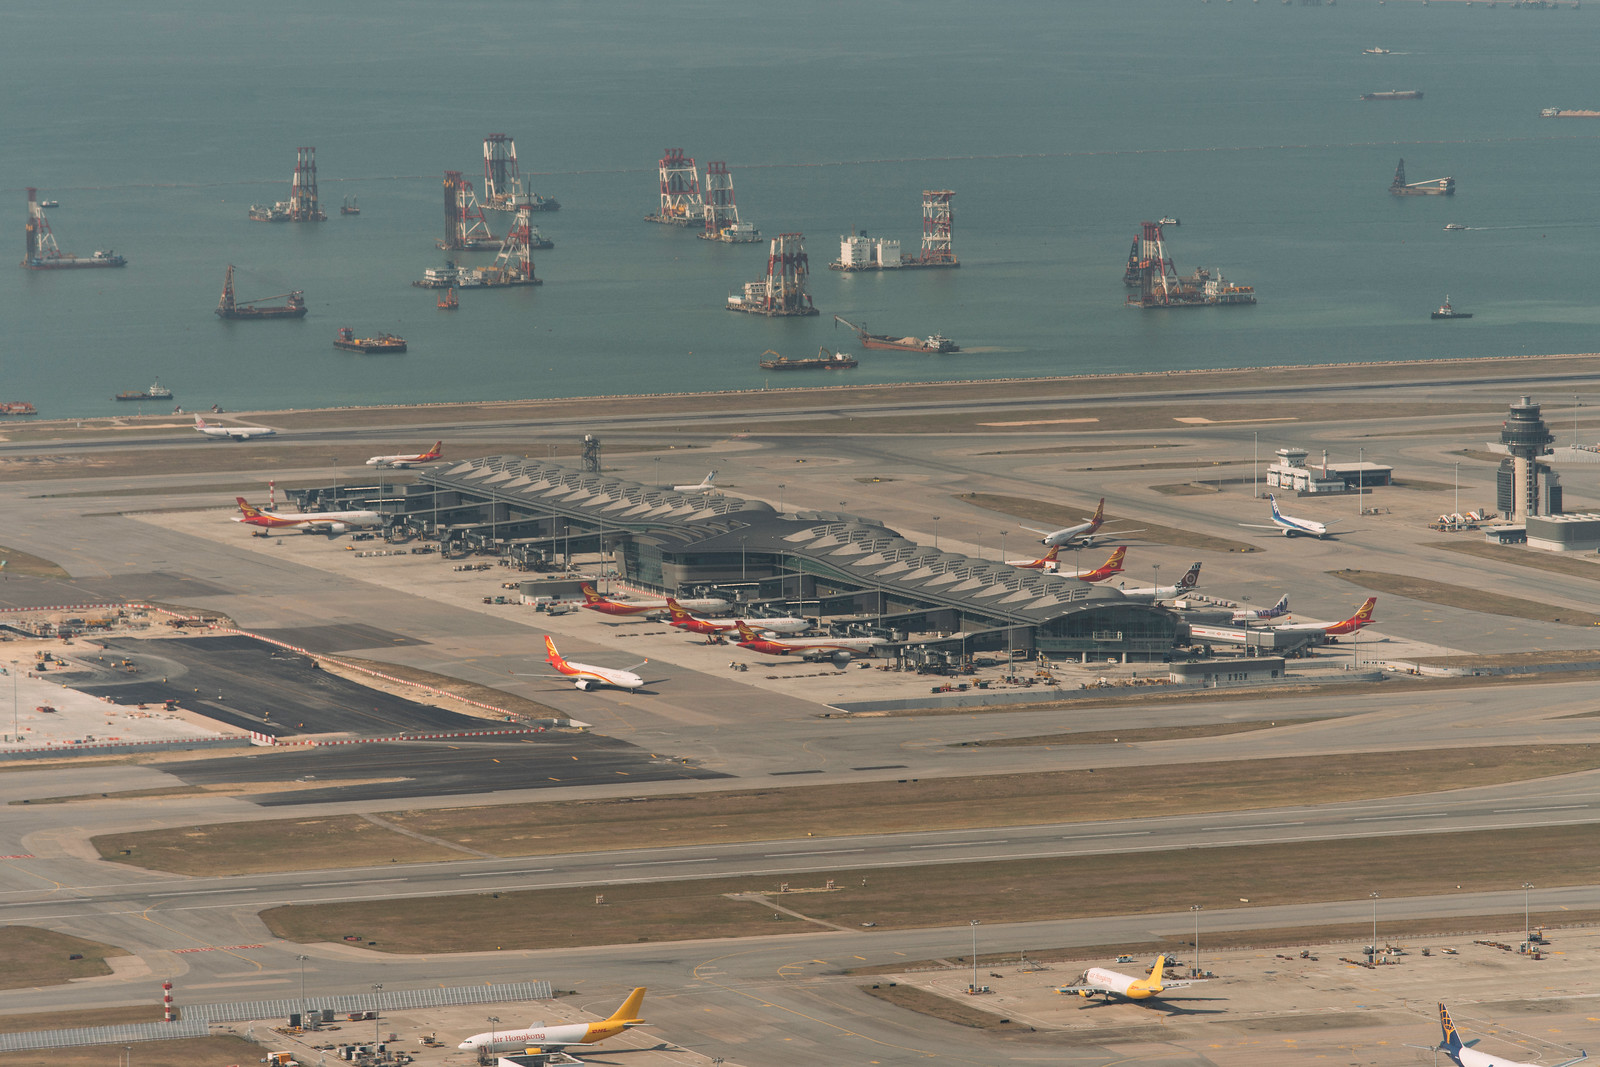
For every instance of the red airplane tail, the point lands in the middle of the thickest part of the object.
(1364, 614)
(678, 612)
(435, 452)
(1114, 564)
(553, 657)
(250, 510)
(1050, 556)
(589, 595)
(1098, 517)
(745, 633)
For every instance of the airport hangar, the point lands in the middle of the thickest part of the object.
(843, 568)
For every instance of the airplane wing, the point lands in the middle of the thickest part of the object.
(1085, 990)
(1181, 984)
(1258, 526)
(1036, 530)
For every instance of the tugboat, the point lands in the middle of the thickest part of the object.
(155, 392)
(1447, 312)
(448, 301)
(383, 343)
(1168, 220)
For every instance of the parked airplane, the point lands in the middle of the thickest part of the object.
(1362, 617)
(587, 676)
(405, 461)
(1046, 562)
(554, 1037)
(646, 605)
(1083, 533)
(1109, 568)
(836, 650)
(1262, 614)
(1152, 593)
(1464, 1055)
(702, 487)
(779, 624)
(1291, 526)
(328, 522)
(1099, 982)
(237, 433)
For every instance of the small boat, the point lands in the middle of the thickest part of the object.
(1454, 226)
(448, 301)
(155, 392)
(383, 343)
(1374, 51)
(1168, 220)
(1447, 312)
(49, 203)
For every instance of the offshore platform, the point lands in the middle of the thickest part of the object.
(1431, 187)
(681, 204)
(721, 213)
(512, 266)
(782, 293)
(465, 228)
(42, 252)
(502, 183)
(1152, 273)
(302, 204)
(860, 252)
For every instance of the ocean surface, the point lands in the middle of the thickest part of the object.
(1060, 124)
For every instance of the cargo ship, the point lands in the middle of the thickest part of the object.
(383, 344)
(1447, 312)
(155, 392)
(17, 407)
(824, 360)
(1552, 113)
(1431, 187)
(1394, 94)
(932, 343)
(293, 306)
(44, 254)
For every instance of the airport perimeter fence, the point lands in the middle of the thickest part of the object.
(198, 1018)
(100, 748)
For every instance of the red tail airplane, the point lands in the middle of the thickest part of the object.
(1110, 567)
(1046, 562)
(1361, 618)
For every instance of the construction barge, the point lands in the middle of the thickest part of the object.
(935, 343)
(1160, 287)
(17, 407)
(293, 306)
(1431, 187)
(859, 252)
(383, 344)
(154, 392)
(1394, 94)
(1563, 113)
(824, 360)
(782, 293)
(512, 266)
(44, 254)
(302, 205)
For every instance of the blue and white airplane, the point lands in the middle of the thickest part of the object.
(1290, 526)
(1464, 1055)
(1263, 614)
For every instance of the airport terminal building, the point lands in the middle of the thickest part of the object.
(848, 570)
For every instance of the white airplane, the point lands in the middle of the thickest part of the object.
(1099, 982)
(328, 522)
(1464, 1055)
(1291, 526)
(1083, 533)
(236, 433)
(1152, 593)
(776, 624)
(555, 1037)
(586, 677)
(405, 461)
(703, 487)
(836, 650)
(648, 605)
(1262, 614)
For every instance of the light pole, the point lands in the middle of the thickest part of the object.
(376, 988)
(1374, 897)
(1195, 972)
(1527, 927)
(974, 987)
(1255, 467)
(1458, 488)
(742, 576)
(658, 472)
(1361, 480)
(936, 532)
(496, 1020)
(1157, 568)
(1575, 407)
(780, 498)
(302, 960)
(1002, 546)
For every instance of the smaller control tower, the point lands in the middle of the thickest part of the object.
(1527, 438)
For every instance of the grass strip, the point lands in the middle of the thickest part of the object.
(1056, 516)
(61, 1020)
(28, 565)
(1024, 890)
(940, 1007)
(1575, 566)
(42, 957)
(776, 813)
(458, 687)
(1466, 598)
(1153, 733)
(188, 1052)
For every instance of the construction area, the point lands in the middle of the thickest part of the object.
(503, 187)
(1150, 270)
(42, 252)
(782, 292)
(1430, 187)
(302, 205)
(512, 266)
(859, 252)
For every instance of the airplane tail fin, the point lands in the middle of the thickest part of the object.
(1190, 579)
(1364, 613)
(1051, 556)
(551, 655)
(1115, 562)
(677, 611)
(250, 510)
(709, 479)
(1099, 513)
(628, 1013)
(745, 633)
(1158, 969)
(199, 423)
(1282, 606)
(1449, 1040)
(436, 451)
(1274, 501)
(589, 595)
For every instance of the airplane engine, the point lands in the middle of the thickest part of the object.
(338, 527)
(584, 684)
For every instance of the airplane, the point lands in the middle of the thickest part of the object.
(1464, 1055)
(781, 624)
(1106, 570)
(236, 433)
(405, 461)
(328, 522)
(703, 487)
(586, 676)
(837, 650)
(1152, 593)
(1081, 534)
(646, 606)
(1362, 617)
(1291, 526)
(1047, 562)
(555, 1037)
(1262, 614)
(1099, 982)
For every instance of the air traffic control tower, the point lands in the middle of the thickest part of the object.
(1527, 438)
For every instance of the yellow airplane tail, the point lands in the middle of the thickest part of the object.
(1158, 971)
(629, 1012)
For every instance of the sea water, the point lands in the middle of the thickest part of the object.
(1060, 125)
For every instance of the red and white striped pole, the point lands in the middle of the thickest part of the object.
(166, 998)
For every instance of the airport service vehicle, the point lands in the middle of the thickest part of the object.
(235, 433)
(1290, 526)
(1152, 593)
(1464, 1055)
(647, 605)
(1100, 982)
(586, 676)
(1110, 567)
(1362, 617)
(700, 487)
(1262, 614)
(1047, 562)
(836, 650)
(555, 1037)
(402, 462)
(778, 624)
(328, 522)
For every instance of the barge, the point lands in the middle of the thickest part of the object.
(824, 360)
(155, 392)
(936, 343)
(293, 306)
(383, 344)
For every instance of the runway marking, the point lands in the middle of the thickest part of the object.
(1553, 807)
(203, 892)
(829, 852)
(658, 863)
(1124, 833)
(364, 881)
(1254, 826)
(1388, 818)
(959, 844)
(213, 948)
(1038, 422)
(506, 874)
